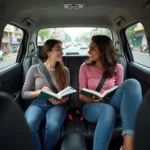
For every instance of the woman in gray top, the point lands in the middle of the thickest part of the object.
(39, 109)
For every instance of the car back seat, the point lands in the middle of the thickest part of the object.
(75, 125)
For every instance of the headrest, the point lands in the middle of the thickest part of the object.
(39, 52)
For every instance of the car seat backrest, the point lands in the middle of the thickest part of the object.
(73, 63)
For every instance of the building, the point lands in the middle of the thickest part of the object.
(12, 37)
(140, 36)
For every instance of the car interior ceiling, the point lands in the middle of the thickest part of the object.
(115, 15)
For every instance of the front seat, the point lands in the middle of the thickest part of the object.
(14, 132)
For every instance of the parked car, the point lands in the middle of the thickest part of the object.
(75, 44)
(1, 55)
(83, 46)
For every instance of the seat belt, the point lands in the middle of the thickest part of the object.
(49, 79)
(48, 76)
(101, 83)
(99, 87)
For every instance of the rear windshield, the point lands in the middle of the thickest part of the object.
(75, 40)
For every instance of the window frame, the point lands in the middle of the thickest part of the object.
(126, 46)
(23, 45)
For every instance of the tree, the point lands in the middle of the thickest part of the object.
(77, 39)
(81, 38)
(130, 33)
(53, 36)
(67, 38)
(44, 33)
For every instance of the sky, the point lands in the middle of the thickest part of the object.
(74, 32)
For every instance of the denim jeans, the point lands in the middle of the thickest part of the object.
(125, 103)
(55, 116)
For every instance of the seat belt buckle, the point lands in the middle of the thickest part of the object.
(77, 111)
(82, 118)
(70, 117)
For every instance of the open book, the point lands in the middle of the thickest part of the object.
(91, 93)
(49, 94)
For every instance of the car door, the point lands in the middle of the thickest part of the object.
(11, 66)
(138, 66)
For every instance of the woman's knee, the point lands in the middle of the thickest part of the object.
(31, 123)
(132, 87)
(53, 126)
(132, 84)
(109, 111)
(55, 118)
(33, 117)
(94, 111)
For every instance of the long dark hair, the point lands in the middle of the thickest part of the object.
(109, 54)
(59, 74)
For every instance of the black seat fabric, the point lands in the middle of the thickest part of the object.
(14, 131)
(76, 126)
(74, 141)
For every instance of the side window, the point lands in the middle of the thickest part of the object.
(138, 43)
(11, 41)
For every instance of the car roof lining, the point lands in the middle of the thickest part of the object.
(52, 14)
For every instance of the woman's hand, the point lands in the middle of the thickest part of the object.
(97, 100)
(56, 102)
(45, 88)
(91, 100)
(37, 92)
(53, 101)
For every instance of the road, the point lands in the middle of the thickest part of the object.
(7, 61)
(140, 57)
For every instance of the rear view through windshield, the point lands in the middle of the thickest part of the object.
(75, 40)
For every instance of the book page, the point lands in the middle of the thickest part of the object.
(93, 92)
(64, 90)
(68, 92)
(109, 91)
(52, 93)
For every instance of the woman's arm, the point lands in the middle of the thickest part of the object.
(37, 92)
(83, 84)
(119, 75)
(28, 86)
(34, 94)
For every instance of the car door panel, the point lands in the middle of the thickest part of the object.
(11, 79)
(141, 73)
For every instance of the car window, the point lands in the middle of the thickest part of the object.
(75, 40)
(11, 40)
(138, 44)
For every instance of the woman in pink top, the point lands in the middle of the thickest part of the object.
(124, 102)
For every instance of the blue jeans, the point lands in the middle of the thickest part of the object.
(125, 102)
(55, 116)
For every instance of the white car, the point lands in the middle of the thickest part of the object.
(83, 46)
(1, 55)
